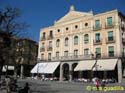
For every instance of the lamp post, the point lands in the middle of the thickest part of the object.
(95, 65)
(38, 66)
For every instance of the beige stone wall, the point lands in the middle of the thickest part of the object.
(80, 32)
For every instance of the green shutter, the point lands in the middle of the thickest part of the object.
(109, 21)
(110, 34)
(98, 50)
(75, 40)
(97, 23)
(97, 36)
(86, 38)
(111, 48)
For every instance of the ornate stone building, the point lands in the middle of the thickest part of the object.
(84, 42)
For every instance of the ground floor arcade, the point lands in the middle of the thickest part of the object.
(88, 69)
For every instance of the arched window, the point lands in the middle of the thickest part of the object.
(86, 38)
(66, 41)
(44, 35)
(75, 40)
(57, 43)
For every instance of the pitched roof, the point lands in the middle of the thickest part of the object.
(72, 14)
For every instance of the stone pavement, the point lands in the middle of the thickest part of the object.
(37, 86)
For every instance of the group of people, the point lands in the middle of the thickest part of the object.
(11, 86)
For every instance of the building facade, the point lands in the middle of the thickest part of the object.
(80, 36)
(26, 55)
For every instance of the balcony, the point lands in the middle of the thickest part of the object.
(43, 38)
(96, 28)
(43, 59)
(123, 40)
(110, 55)
(123, 26)
(107, 26)
(110, 40)
(56, 58)
(85, 57)
(42, 49)
(97, 42)
(49, 37)
(49, 48)
(69, 58)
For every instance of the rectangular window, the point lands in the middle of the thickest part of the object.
(66, 53)
(41, 49)
(57, 43)
(49, 56)
(44, 35)
(42, 56)
(110, 36)
(75, 52)
(97, 24)
(51, 33)
(50, 43)
(86, 39)
(109, 21)
(98, 52)
(111, 51)
(43, 45)
(57, 54)
(66, 42)
(86, 51)
(97, 37)
(76, 40)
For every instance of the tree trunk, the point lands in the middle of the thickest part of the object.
(1, 66)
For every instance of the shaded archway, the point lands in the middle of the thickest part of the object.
(66, 71)
(74, 73)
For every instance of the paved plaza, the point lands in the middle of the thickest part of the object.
(37, 86)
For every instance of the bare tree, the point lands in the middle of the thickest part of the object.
(10, 24)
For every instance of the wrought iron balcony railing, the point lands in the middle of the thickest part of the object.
(85, 57)
(66, 58)
(49, 37)
(43, 38)
(111, 25)
(42, 49)
(49, 48)
(95, 28)
(123, 40)
(110, 40)
(97, 42)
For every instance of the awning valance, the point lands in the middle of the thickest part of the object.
(105, 64)
(9, 68)
(48, 67)
(38, 67)
(84, 65)
(101, 65)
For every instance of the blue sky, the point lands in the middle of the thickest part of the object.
(43, 13)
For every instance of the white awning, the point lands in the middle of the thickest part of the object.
(105, 64)
(48, 67)
(51, 67)
(9, 68)
(38, 67)
(84, 65)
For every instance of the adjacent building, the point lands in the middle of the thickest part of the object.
(18, 55)
(26, 55)
(84, 43)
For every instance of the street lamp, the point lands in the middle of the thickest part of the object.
(38, 66)
(95, 65)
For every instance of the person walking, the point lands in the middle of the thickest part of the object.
(97, 84)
